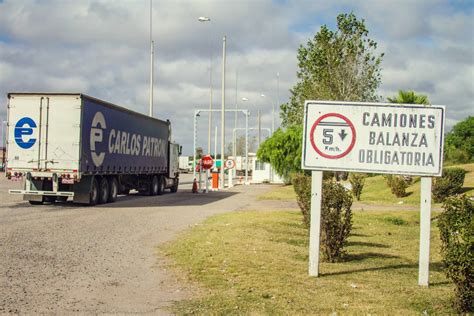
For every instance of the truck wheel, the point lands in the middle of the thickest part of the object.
(174, 188)
(161, 185)
(103, 191)
(94, 193)
(154, 186)
(36, 202)
(49, 199)
(113, 190)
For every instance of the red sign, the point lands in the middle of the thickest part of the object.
(207, 162)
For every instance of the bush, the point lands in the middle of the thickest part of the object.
(449, 184)
(302, 187)
(336, 214)
(357, 181)
(398, 186)
(456, 226)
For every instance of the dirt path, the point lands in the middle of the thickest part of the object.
(67, 259)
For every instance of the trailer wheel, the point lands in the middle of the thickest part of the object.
(62, 198)
(161, 186)
(154, 186)
(49, 199)
(174, 188)
(94, 193)
(113, 189)
(103, 191)
(36, 202)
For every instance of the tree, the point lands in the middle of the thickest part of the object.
(199, 152)
(459, 144)
(283, 151)
(409, 97)
(335, 65)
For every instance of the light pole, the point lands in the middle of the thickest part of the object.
(273, 111)
(223, 111)
(151, 59)
(207, 19)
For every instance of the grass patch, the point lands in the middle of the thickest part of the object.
(282, 193)
(257, 262)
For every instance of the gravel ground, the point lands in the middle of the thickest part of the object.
(65, 258)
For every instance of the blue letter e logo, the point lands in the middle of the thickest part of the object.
(24, 127)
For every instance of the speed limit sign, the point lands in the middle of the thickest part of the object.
(333, 136)
(229, 164)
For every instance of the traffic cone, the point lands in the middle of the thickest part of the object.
(195, 186)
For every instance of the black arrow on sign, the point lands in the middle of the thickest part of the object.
(343, 134)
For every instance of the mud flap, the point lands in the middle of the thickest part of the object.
(82, 190)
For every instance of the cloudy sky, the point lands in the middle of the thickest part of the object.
(101, 48)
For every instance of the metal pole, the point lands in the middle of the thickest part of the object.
(234, 151)
(259, 129)
(247, 147)
(315, 225)
(278, 88)
(273, 117)
(194, 144)
(425, 222)
(223, 112)
(210, 104)
(151, 59)
(215, 143)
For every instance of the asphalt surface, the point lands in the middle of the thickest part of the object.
(65, 258)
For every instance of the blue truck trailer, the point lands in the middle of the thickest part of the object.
(70, 145)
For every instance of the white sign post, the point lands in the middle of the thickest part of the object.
(404, 139)
(229, 165)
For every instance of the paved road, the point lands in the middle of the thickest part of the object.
(66, 258)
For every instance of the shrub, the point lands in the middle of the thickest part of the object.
(456, 226)
(336, 214)
(302, 187)
(398, 186)
(336, 220)
(449, 184)
(357, 181)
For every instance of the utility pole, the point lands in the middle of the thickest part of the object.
(223, 112)
(151, 59)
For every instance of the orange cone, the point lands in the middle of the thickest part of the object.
(195, 186)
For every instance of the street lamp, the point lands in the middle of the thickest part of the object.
(207, 19)
(151, 59)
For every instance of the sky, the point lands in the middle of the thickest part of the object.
(101, 48)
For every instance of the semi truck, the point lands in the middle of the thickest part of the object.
(74, 146)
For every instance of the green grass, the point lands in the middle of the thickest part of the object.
(377, 192)
(257, 262)
(282, 193)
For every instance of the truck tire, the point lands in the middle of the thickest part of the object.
(103, 191)
(154, 186)
(94, 193)
(36, 202)
(49, 199)
(174, 188)
(113, 189)
(161, 185)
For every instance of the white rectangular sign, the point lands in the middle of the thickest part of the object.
(389, 138)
